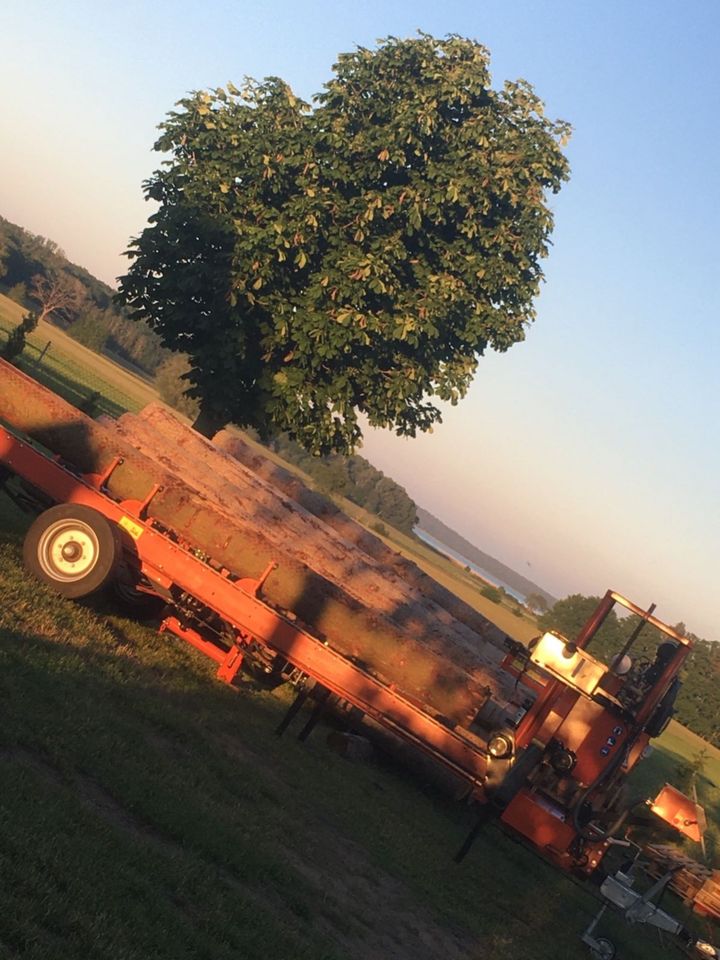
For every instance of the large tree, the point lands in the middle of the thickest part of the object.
(353, 258)
(537, 603)
(57, 294)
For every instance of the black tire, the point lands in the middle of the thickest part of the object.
(141, 605)
(73, 549)
(604, 949)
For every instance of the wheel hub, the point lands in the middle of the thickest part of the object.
(71, 551)
(68, 550)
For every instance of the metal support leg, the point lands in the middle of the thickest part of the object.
(483, 816)
(230, 666)
(321, 699)
(600, 947)
(292, 711)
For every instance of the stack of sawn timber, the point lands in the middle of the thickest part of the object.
(355, 602)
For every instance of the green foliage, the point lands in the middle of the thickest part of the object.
(18, 292)
(89, 329)
(171, 383)
(697, 763)
(568, 616)
(60, 297)
(536, 602)
(491, 593)
(134, 342)
(91, 404)
(357, 479)
(28, 256)
(699, 700)
(15, 343)
(355, 258)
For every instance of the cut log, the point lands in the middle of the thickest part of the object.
(454, 683)
(235, 488)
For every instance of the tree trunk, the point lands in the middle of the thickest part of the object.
(208, 421)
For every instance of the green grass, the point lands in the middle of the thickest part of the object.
(149, 811)
(686, 744)
(72, 370)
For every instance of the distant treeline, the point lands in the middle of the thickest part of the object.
(35, 272)
(440, 531)
(698, 704)
(357, 480)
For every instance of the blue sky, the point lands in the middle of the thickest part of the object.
(587, 456)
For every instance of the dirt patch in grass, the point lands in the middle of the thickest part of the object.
(91, 795)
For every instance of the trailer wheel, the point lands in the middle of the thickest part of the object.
(603, 949)
(72, 548)
(138, 603)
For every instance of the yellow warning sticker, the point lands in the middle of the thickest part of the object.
(134, 529)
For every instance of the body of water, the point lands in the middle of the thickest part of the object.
(454, 555)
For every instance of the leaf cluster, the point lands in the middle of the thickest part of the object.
(16, 341)
(171, 383)
(353, 258)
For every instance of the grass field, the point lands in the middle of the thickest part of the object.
(74, 371)
(148, 811)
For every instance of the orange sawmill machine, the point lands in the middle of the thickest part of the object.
(549, 765)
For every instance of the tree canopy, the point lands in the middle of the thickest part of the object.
(56, 294)
(537, 602)
(356, 257)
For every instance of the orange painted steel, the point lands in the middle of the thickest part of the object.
(239, 604)
(230, 661)
(605, 741)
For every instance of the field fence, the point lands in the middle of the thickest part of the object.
(71, 379)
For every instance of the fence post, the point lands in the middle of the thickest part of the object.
(42, 353)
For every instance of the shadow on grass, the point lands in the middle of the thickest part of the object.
(146, 795)
(161, 803)
(117, 803)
